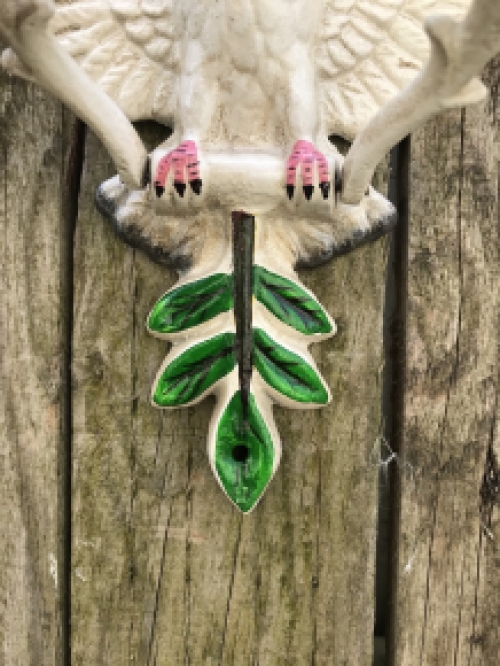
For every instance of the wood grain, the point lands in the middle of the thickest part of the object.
(34, 154)
(448, 564)
(165, 570)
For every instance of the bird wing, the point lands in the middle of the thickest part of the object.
(368, 50)
(129, 47)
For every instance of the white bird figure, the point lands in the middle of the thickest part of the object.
(234, 77)
(252, 90)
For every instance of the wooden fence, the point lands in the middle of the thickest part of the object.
(117, 545)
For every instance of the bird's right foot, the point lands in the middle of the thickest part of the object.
(184, 161)
(304, 156)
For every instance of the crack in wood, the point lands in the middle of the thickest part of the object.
(428, 579)
(396, 381)
(490, 486)
(71, 192)
(315, 582)
(476, 593)
(187, 591)
(459, 622)
(157, 591)
(230, 591)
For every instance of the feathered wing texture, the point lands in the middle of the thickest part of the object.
(368, 50)
(129, 47)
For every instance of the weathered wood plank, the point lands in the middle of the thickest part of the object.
(33, 247)
(165, 570)
(448, 565)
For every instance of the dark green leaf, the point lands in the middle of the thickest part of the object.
(244, 452)
(289, 302)
(285, 371)
(192, 304)
(193, 372)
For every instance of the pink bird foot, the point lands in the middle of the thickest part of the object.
(305, 155)
(183, 160)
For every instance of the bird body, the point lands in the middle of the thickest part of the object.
(240, 76)
(246, 77)
(243, 73)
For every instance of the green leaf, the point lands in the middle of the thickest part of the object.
(189, 375)
(244, 452)
(192, 304)
(289, 302)
(285, 371)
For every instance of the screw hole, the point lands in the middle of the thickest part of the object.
(241, 453)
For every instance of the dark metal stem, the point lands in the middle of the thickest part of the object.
(243, 247)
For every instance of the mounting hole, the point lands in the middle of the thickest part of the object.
(241, 453)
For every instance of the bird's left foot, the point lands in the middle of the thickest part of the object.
(184, 162)
(305, 155)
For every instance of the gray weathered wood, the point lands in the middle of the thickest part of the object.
(165, 570)
(448, 565)
(33, 249)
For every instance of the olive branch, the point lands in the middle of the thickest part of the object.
(200, 317)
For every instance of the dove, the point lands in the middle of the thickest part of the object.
(245, 74)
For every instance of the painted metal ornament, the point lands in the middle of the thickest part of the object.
(248, 187)
(249, 329)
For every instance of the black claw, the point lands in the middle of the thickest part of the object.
(180, 188)
(339, 183)
(367, 191)
(159, 189)
(308, 191)
(290, 189)
(196, 185)
(146, 174)
(325, 189)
